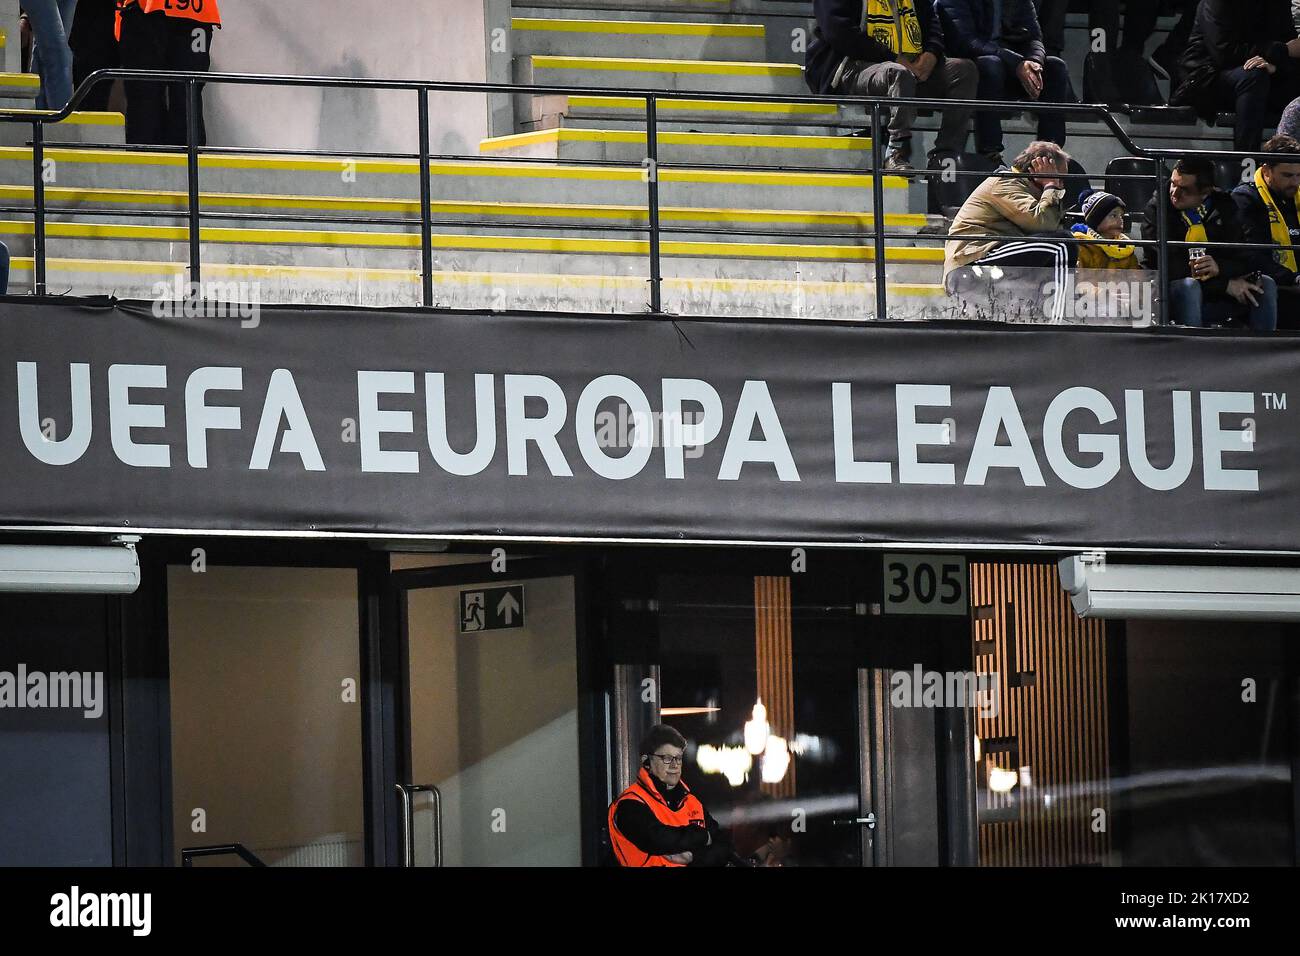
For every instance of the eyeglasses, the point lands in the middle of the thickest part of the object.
(669, 760)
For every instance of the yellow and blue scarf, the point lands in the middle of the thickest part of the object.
(893, 24)
(1195, 219)
(1277, 227)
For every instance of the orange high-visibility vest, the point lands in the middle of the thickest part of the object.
(690, 813)
(202, 11)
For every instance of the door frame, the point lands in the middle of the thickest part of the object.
(391, 763)
(860, 573)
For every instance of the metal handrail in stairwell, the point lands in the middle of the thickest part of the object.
(876, 104)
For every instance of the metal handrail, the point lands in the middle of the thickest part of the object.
(406, 791)
(875, 104)
(192, 853)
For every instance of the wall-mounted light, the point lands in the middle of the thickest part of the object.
(1002, 781)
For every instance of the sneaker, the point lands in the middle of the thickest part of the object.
(898, 159)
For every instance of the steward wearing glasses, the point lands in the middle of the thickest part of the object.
(657, 821)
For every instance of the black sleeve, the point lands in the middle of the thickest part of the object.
(718, 852)
(1281, 28)
(1233, 263)
(963, 39)
(1031, 44)
(1227, 45)
(637, 822)
(931, 29)
(840, 28)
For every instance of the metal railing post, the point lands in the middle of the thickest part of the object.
(38, 202)
(652, 176)
(192, 183)
(878, 213)
(426, 212)
(1162, 248)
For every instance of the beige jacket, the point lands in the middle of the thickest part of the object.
(1000, 207)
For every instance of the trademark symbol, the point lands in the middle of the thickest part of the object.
(1274, 401)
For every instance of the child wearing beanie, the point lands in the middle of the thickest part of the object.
(1103, 218)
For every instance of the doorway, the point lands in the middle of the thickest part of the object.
(780, 679)
(491, 764)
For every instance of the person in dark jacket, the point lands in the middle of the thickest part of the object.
(1240, 57)
(658, 821)
(1139, 23)
(94, 47)
(1268, 215)
(1008, 51)
(891, 48)
(1208, 284)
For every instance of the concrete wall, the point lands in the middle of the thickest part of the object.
(262, 739)
(494, 725)
(401, 39)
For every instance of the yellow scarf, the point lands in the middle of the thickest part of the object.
(1116, 249)
(1196, 225)
(882, 23)
(1276, 224)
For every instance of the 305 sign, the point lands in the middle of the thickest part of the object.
(925, 584)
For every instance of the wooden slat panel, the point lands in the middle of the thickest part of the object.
(773, 644)
(1059, 722)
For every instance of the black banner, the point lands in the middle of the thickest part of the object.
(471, 424)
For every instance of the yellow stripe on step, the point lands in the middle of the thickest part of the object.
(24, 81)
(740, 177)
(673, 138)
(713, 106)
(212, 202)
(640, 27)
(539, 244)
(79, 118)
(640, 65)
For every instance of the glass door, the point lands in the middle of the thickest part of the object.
(492, 769)
(763, 674)
(788, 688)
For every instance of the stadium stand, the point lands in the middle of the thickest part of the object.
(789, 233)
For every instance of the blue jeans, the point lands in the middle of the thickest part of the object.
(51, 56)
(1187, 305)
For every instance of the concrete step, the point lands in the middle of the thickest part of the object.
(468, 181)
(742, 149)
(787, 26)
(475, 251)
(673, 39)
(81, 127)
(611, 8)
(695, 76)
(755, 116)
(794, 297)
(19, 87)
(160, 207)
(169, 207)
